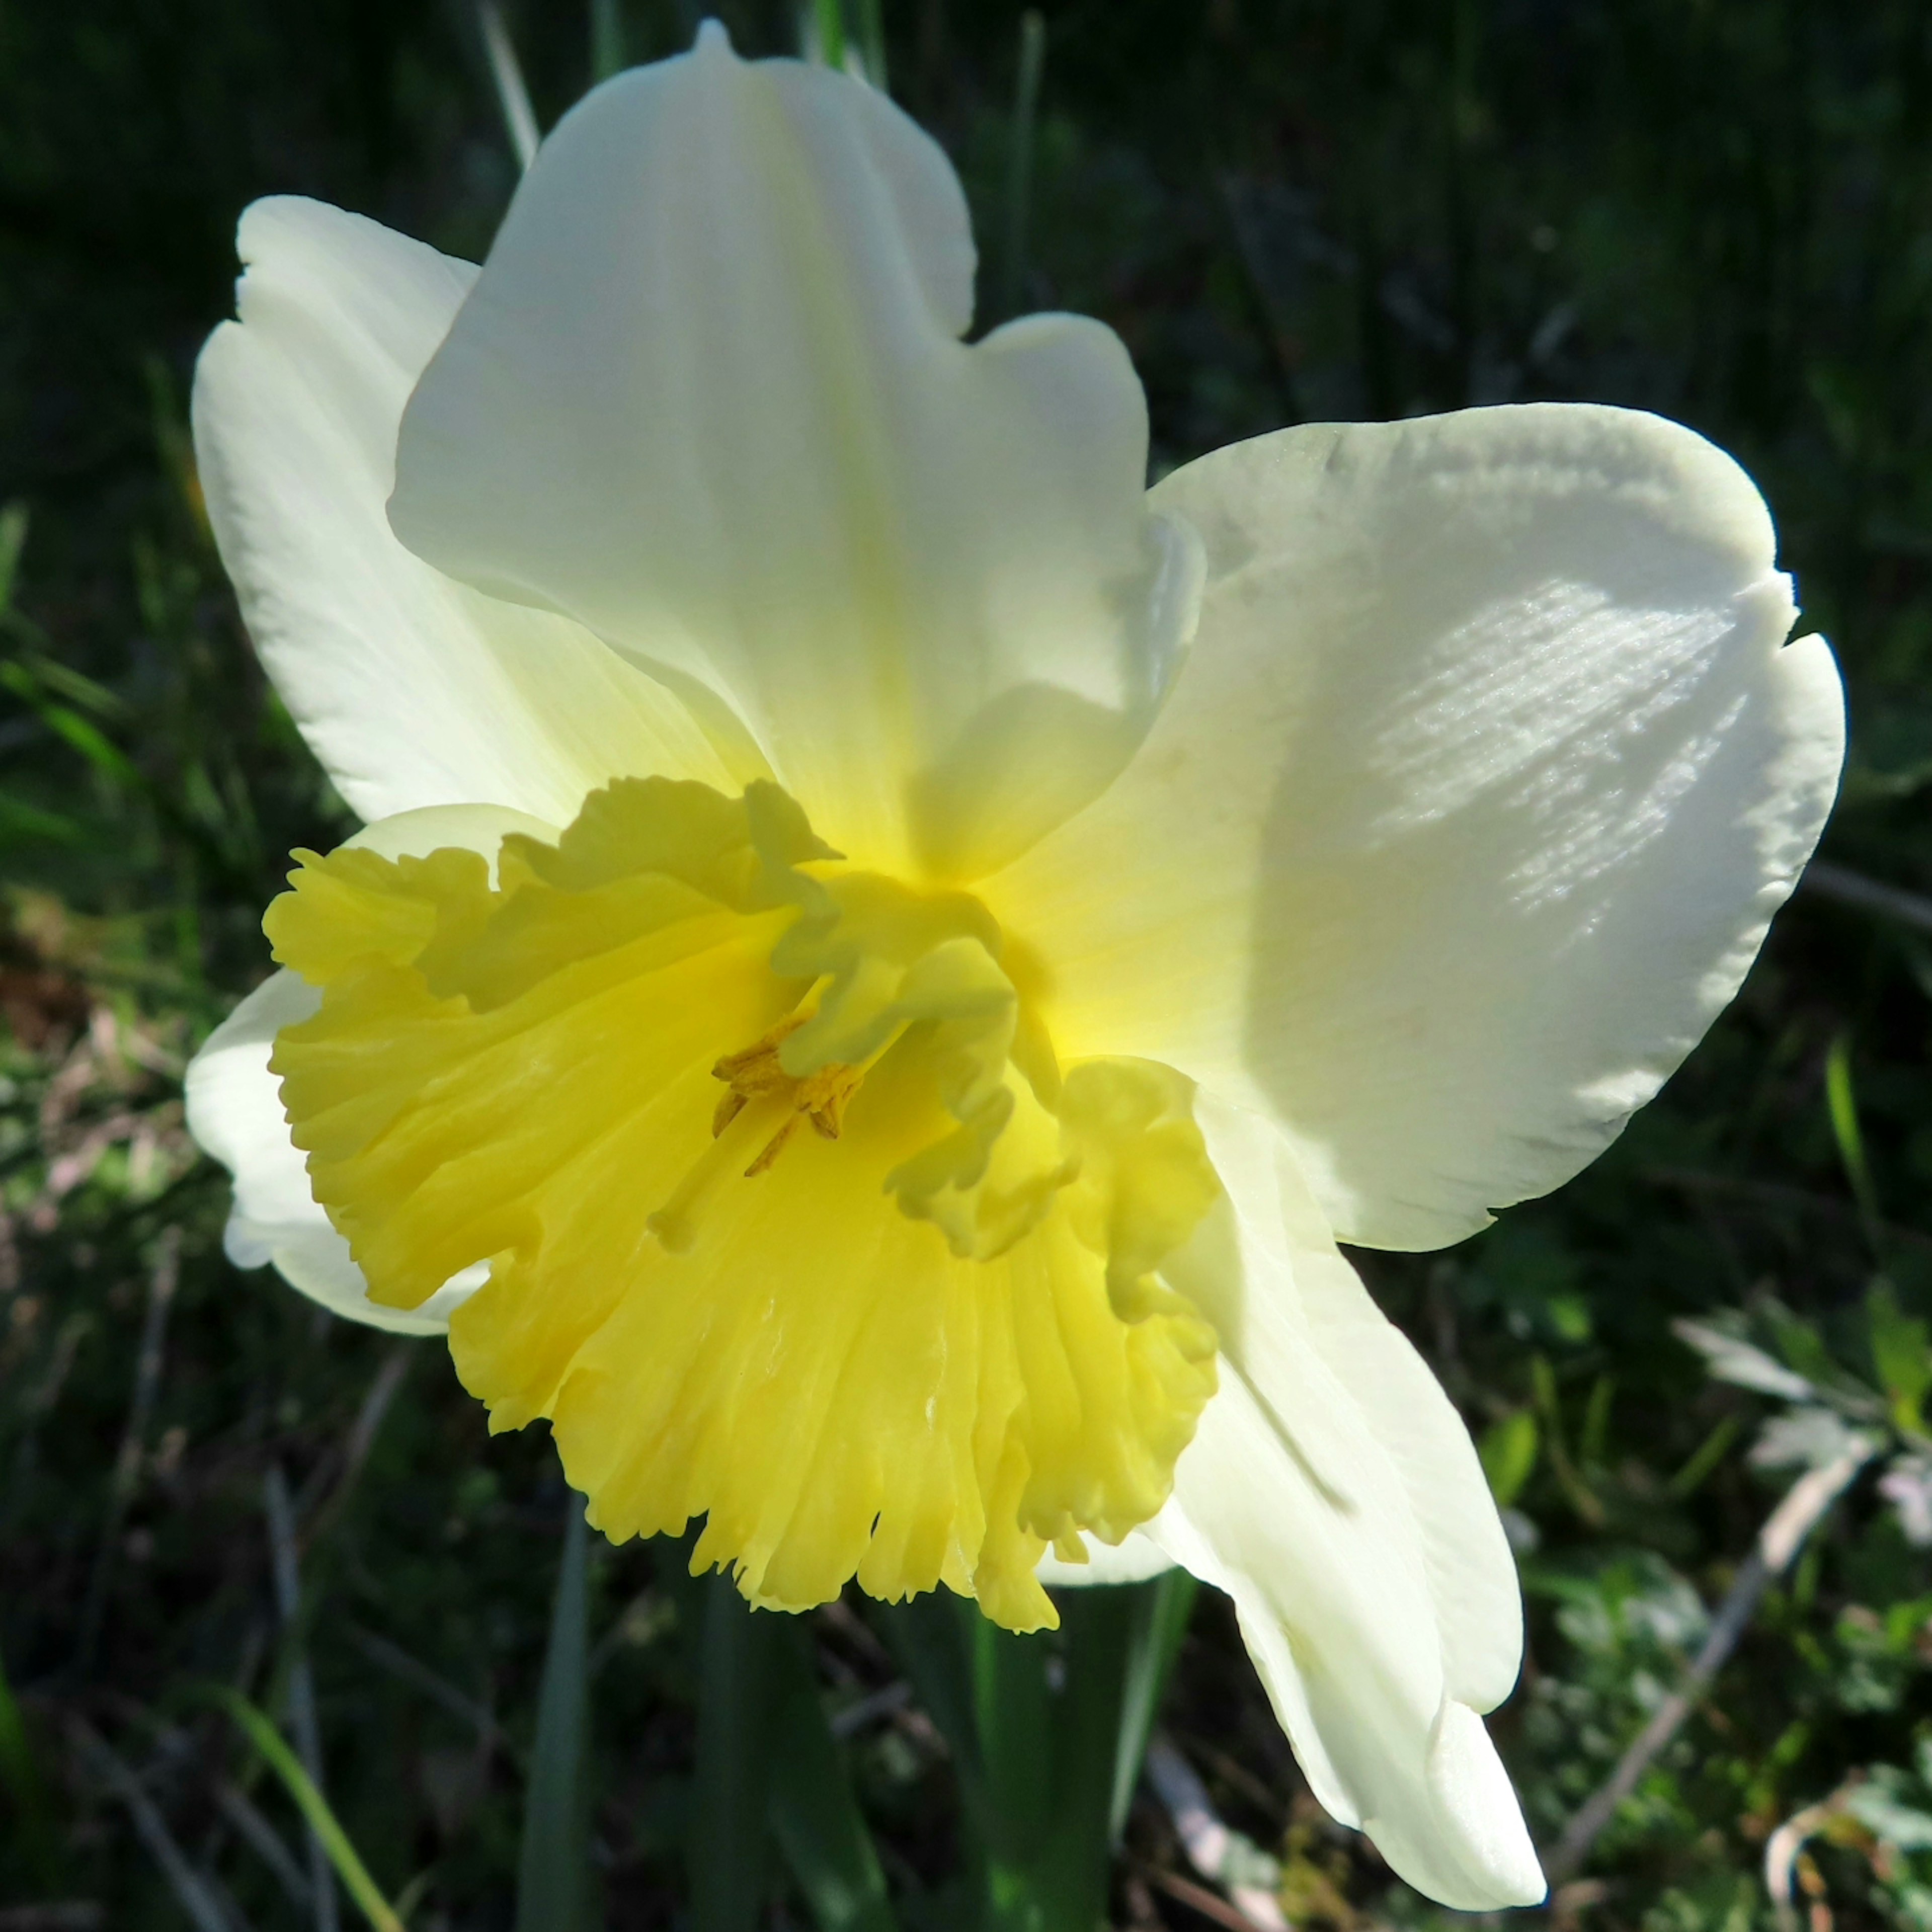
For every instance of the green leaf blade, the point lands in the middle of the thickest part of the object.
(814, 1812)
(554, 1879)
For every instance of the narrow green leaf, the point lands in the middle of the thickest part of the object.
(1047, 1732)
(727, 1836)
(814, 1816)
(1801, 1345)
(76, 687)
(1899, 1353)
(1013, 1713)
(21, 1774)
(13, 541)
(86, 738)
(1705, 1457)
(1100, 1627)
(19, 820)
(1593, 1444)
(65, 722)
(413, 1893)
(1841, 1105)
(1576, 1491)
(1050, 1712)
(1508, 1449)
(310, 1803)
(927, 1637)
(554, 1880)
(1161, 1609)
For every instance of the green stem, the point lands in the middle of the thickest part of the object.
(1019, 165)
(872, 40)
(829, 18)
(608, 54)
(1047, 1733)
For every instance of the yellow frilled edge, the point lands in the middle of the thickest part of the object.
(794, 1222)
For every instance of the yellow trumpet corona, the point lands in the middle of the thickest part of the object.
(925, 1344)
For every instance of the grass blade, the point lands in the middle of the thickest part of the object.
(814, 1815)
(1841, 1105)
(310, 1803)
(554, 1884)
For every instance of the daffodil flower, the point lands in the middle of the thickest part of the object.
(885, 955)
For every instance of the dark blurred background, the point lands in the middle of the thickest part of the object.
(1718, 209)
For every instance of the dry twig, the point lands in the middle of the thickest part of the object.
(1785, 1529)
(189, 1888)
(1214, 1851)
(1781, 1849)
(302, 1721)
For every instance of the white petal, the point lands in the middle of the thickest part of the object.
(234, 1111)
(430, 828)
(1133, 1560)
(412, 689)
(708, 398)
(1466, 813)
(1361, 1574)
(1470, 1569)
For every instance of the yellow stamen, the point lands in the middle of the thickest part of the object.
(755, 1073)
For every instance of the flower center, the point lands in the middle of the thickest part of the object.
(915, 1344)
(756, 1073)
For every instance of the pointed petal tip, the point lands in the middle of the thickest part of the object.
(1472, 1850)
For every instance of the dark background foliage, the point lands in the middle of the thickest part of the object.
(1719, 209)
